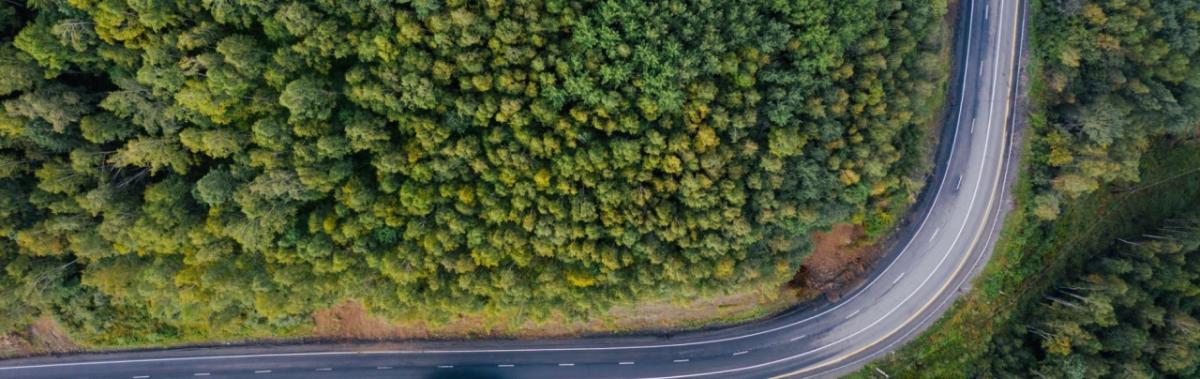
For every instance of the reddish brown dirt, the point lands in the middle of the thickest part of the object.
(12, 345)
(839, 258)
(44, 335)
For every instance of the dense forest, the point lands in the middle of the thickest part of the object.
(205, 168)
(1133, 312)
(1117, 78)
(1115, 75)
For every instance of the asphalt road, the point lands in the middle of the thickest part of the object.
(951, 234)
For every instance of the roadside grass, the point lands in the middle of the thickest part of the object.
(353, 324)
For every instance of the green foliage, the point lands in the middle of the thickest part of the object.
(1131, 313)
(1035, 257)
(1117, 74)
(220, 167)
(1110, 81)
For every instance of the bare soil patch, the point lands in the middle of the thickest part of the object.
(43, 336)
(349, 320)
(839, 259)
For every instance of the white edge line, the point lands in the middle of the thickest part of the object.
(975, 265)
(905, 300)
(991, 233)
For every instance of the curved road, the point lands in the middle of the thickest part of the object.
(940, 252)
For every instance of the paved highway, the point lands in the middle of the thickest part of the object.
(951, 234)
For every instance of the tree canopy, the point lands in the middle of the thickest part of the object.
(196, 167)
(1114, 75)
(1131, 313)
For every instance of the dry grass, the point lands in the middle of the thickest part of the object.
(43, 336)
(350, 321)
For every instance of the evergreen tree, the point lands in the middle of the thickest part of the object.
(225, 166)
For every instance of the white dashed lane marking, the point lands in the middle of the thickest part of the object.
(901, 276)
(681, 360)
(141, 377)
(798, 338)
(625, 363)
(262, 371)
(383, 368)
(325, 369)
(446, 366)
(740, 353)
(935, 232)
(504, 365)
(853, 313)
(565, 364)
(200, 374)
